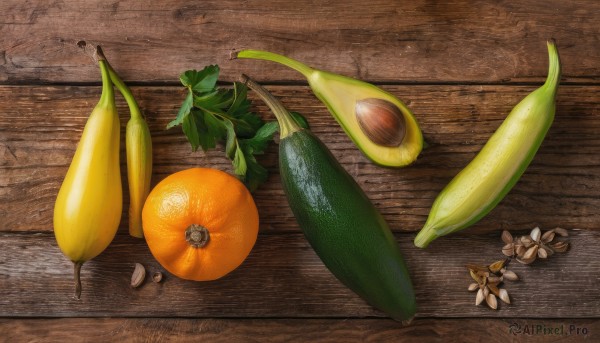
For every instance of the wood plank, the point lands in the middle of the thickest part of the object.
(296, 330)
(284, 278)
(40, 128)
(381, 41)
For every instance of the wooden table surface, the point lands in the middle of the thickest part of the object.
(459, 65)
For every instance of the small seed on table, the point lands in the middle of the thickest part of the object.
(138, 276)
(157, 277)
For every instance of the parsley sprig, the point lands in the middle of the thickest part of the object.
(211, 115)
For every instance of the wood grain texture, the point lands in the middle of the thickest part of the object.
(40, 127)
(284, 278)
(383, 41)
(460, 66)
(296, 330)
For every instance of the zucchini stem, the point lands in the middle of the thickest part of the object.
(287, 123)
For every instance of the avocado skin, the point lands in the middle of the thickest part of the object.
(342, 225)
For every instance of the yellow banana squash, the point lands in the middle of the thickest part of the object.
(88, 207)
(138, 146)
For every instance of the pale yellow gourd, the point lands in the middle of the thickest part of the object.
(89, 203)
(138, 144)
(493, 172)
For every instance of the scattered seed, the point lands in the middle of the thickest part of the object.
(475, 277)
(477, 268)
(549, 250)
(496, 266)
(536, 234)
(486, 291)
(504, 296)
(510, 275)
(548, 236)
(138, 276)
(509, 249)
(479, 298)
(491, 301)
(526, 241)
(562, 232)
(494, 289)
(494, 279)
(520, 250)
(157, 277)
(560, 246)
(531, 253)
(507, 237)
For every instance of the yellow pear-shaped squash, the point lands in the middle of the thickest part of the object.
(89, 204)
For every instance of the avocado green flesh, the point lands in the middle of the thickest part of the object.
(340, 94)
(343, 227)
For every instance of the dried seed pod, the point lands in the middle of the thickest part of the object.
(479, 298)
(509, 249)
(138, 276)
(548, 250)
(473, 287)
(560, 246)
(491, 301)
(157, 277)
(510, 275)
(504, 296)
(526, 241)
(494, 280)
(548, 236)
(541, 253)
(520, 250)
(494, 289)
(475, 277)
(477, 268)
(381, 121)
(536, 234)
(496, 266)
(562, 232)
(507, 237)
(531, 252)
(529, 255)
(486, 291)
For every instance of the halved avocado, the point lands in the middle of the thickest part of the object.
(341, 94)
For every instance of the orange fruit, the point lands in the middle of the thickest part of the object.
(200, 223)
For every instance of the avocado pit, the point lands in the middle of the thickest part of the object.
(381, 121)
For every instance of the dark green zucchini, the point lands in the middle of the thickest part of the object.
(338, 219)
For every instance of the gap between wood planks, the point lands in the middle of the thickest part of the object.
(283, 277)
(42, 125)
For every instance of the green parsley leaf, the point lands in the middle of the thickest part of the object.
(300, 120)
(201, 81)
(184, 111)
(191, 130)
(210, 115)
